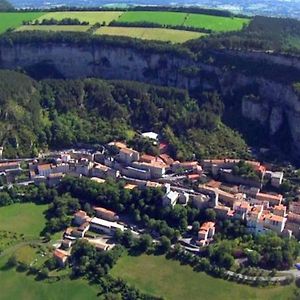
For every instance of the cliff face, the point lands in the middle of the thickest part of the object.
(277, 101)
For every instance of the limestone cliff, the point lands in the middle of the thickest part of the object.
(273, 100)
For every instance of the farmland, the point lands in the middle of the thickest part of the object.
(158, 276)
(14, 20)
(161, 34)
(87, 16)
(79, 28)
(214, 23)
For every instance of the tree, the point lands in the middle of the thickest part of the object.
(12, 261)
(144, 242)
(165, 244)
(210, 214)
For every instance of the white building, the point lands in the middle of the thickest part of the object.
(105, 226)
(170, 198)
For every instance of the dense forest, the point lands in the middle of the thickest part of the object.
(62, 113)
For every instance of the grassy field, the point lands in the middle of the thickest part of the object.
(76, 28)
(158, 276)
(88, 16)
(15, 285)
(214, 23)
(14, 20)
(161, 34)
(27, 219)
(160, 17)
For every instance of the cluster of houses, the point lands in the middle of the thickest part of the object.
(104, 222)
(231, 195)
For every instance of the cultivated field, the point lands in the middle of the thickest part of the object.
(161, 34)
(158, 276)
(87, 16)
(14, 20)
(76, 28)
(159, 17)
(214, 23)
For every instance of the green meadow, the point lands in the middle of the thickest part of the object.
(160, 34)
(14, 19)
(158, 276)
(85, 16)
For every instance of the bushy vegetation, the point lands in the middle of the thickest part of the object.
(57, 113)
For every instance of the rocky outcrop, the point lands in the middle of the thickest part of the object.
(273, 101)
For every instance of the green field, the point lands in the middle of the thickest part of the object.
(77, 28)
(158, 276)
(161, 34)
(159, 17)
(15, 19)
(214, 23)
(85, 16)
(16, 285)
(27, 219)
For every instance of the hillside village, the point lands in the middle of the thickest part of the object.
(234, 189)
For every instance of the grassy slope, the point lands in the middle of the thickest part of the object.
(161, 34)
(159, 276)
(29, 220)
(214, 23)
(76, 28)
(14, 20)
(23, 218)
(16, 285)
(160, 17)
(88, 16)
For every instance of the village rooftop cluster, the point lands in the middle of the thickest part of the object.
(221, 184)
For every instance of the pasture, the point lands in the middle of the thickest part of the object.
(160, 34)
(214, 23)
(15, 19)
(167, 278)
(85, 16)
(158, 17)
(76, 28)
(27, 219)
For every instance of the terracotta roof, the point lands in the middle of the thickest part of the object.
(105, 211)
(167, 159)
(9, 164)
(214, 184)
(61, 254)
(130, 186)
(147, 158)
(128, 151)
(80, 214)
(44, 167)
(274, 217)
(206, 226)
(193, 176)
(263, 196)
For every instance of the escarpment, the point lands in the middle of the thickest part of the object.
(267, 77)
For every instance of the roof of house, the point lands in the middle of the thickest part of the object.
(44, 167)
(130, 186)
(9, 164)
(147, 158)
(61, 254)
(214, 184)
(105, 211)
(264, 196)
(128, 151)
(272, 217)
(193, 176)
(80, 214)
(167, 159)
(152, 184)
(101, 167)
(99, 180)
(119, 145)
(206, 226)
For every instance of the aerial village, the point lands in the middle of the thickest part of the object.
(218, 184)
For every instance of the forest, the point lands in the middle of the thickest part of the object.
(38, 115)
